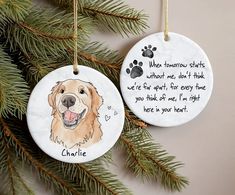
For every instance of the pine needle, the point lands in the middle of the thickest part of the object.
(11, 181)
(94, 55)
(13, 89)
(48, 174)
(36, 68)
(135, 120)
(95, 178)
(47, 33)
(114, 15)
(148, 161)
(13, 10)
(104, 60)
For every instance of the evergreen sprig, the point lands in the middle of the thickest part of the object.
(114, 15)
(96, 55)
(13, 10)
(95, 178)
(147, 160)
(47, 34)
(86, 178)
(11, 180)
(46, 170)
(35, 69)
(13, 89)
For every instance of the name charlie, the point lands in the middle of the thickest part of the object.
(78, 152)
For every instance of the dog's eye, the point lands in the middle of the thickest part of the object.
(61, 91)
(82, 91)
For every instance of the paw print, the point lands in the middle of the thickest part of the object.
(135, 69)
(148, 51)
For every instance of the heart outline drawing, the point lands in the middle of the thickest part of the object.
(107, 117)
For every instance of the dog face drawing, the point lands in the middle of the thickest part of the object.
(75, 105)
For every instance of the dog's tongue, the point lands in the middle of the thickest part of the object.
(70, 116)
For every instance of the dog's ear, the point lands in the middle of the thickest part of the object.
(52, 95)
(96, 100)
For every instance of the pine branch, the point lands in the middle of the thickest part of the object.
(134, 120)
(95, 178)
(13, 88)
(46, 171)
(12, 182)
(35, 69)
(13, 10)
(104, 60)
(47, 33)
(66, 4)
(7, 169)
(93, 55)
(114, 15)
(106, 158)
(147, 160)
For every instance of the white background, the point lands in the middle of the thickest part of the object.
(207, 144)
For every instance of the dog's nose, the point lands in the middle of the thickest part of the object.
(68, 101)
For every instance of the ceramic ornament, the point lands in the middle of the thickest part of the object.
(166, 83)
(75, 118)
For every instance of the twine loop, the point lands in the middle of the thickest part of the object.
(166, 24)
(75, 36)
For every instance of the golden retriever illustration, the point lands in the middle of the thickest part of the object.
(75, 106)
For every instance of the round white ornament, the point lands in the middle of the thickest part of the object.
(166, 83)
(75, 118)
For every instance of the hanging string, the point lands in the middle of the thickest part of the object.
(75, 63)
(166, 25)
